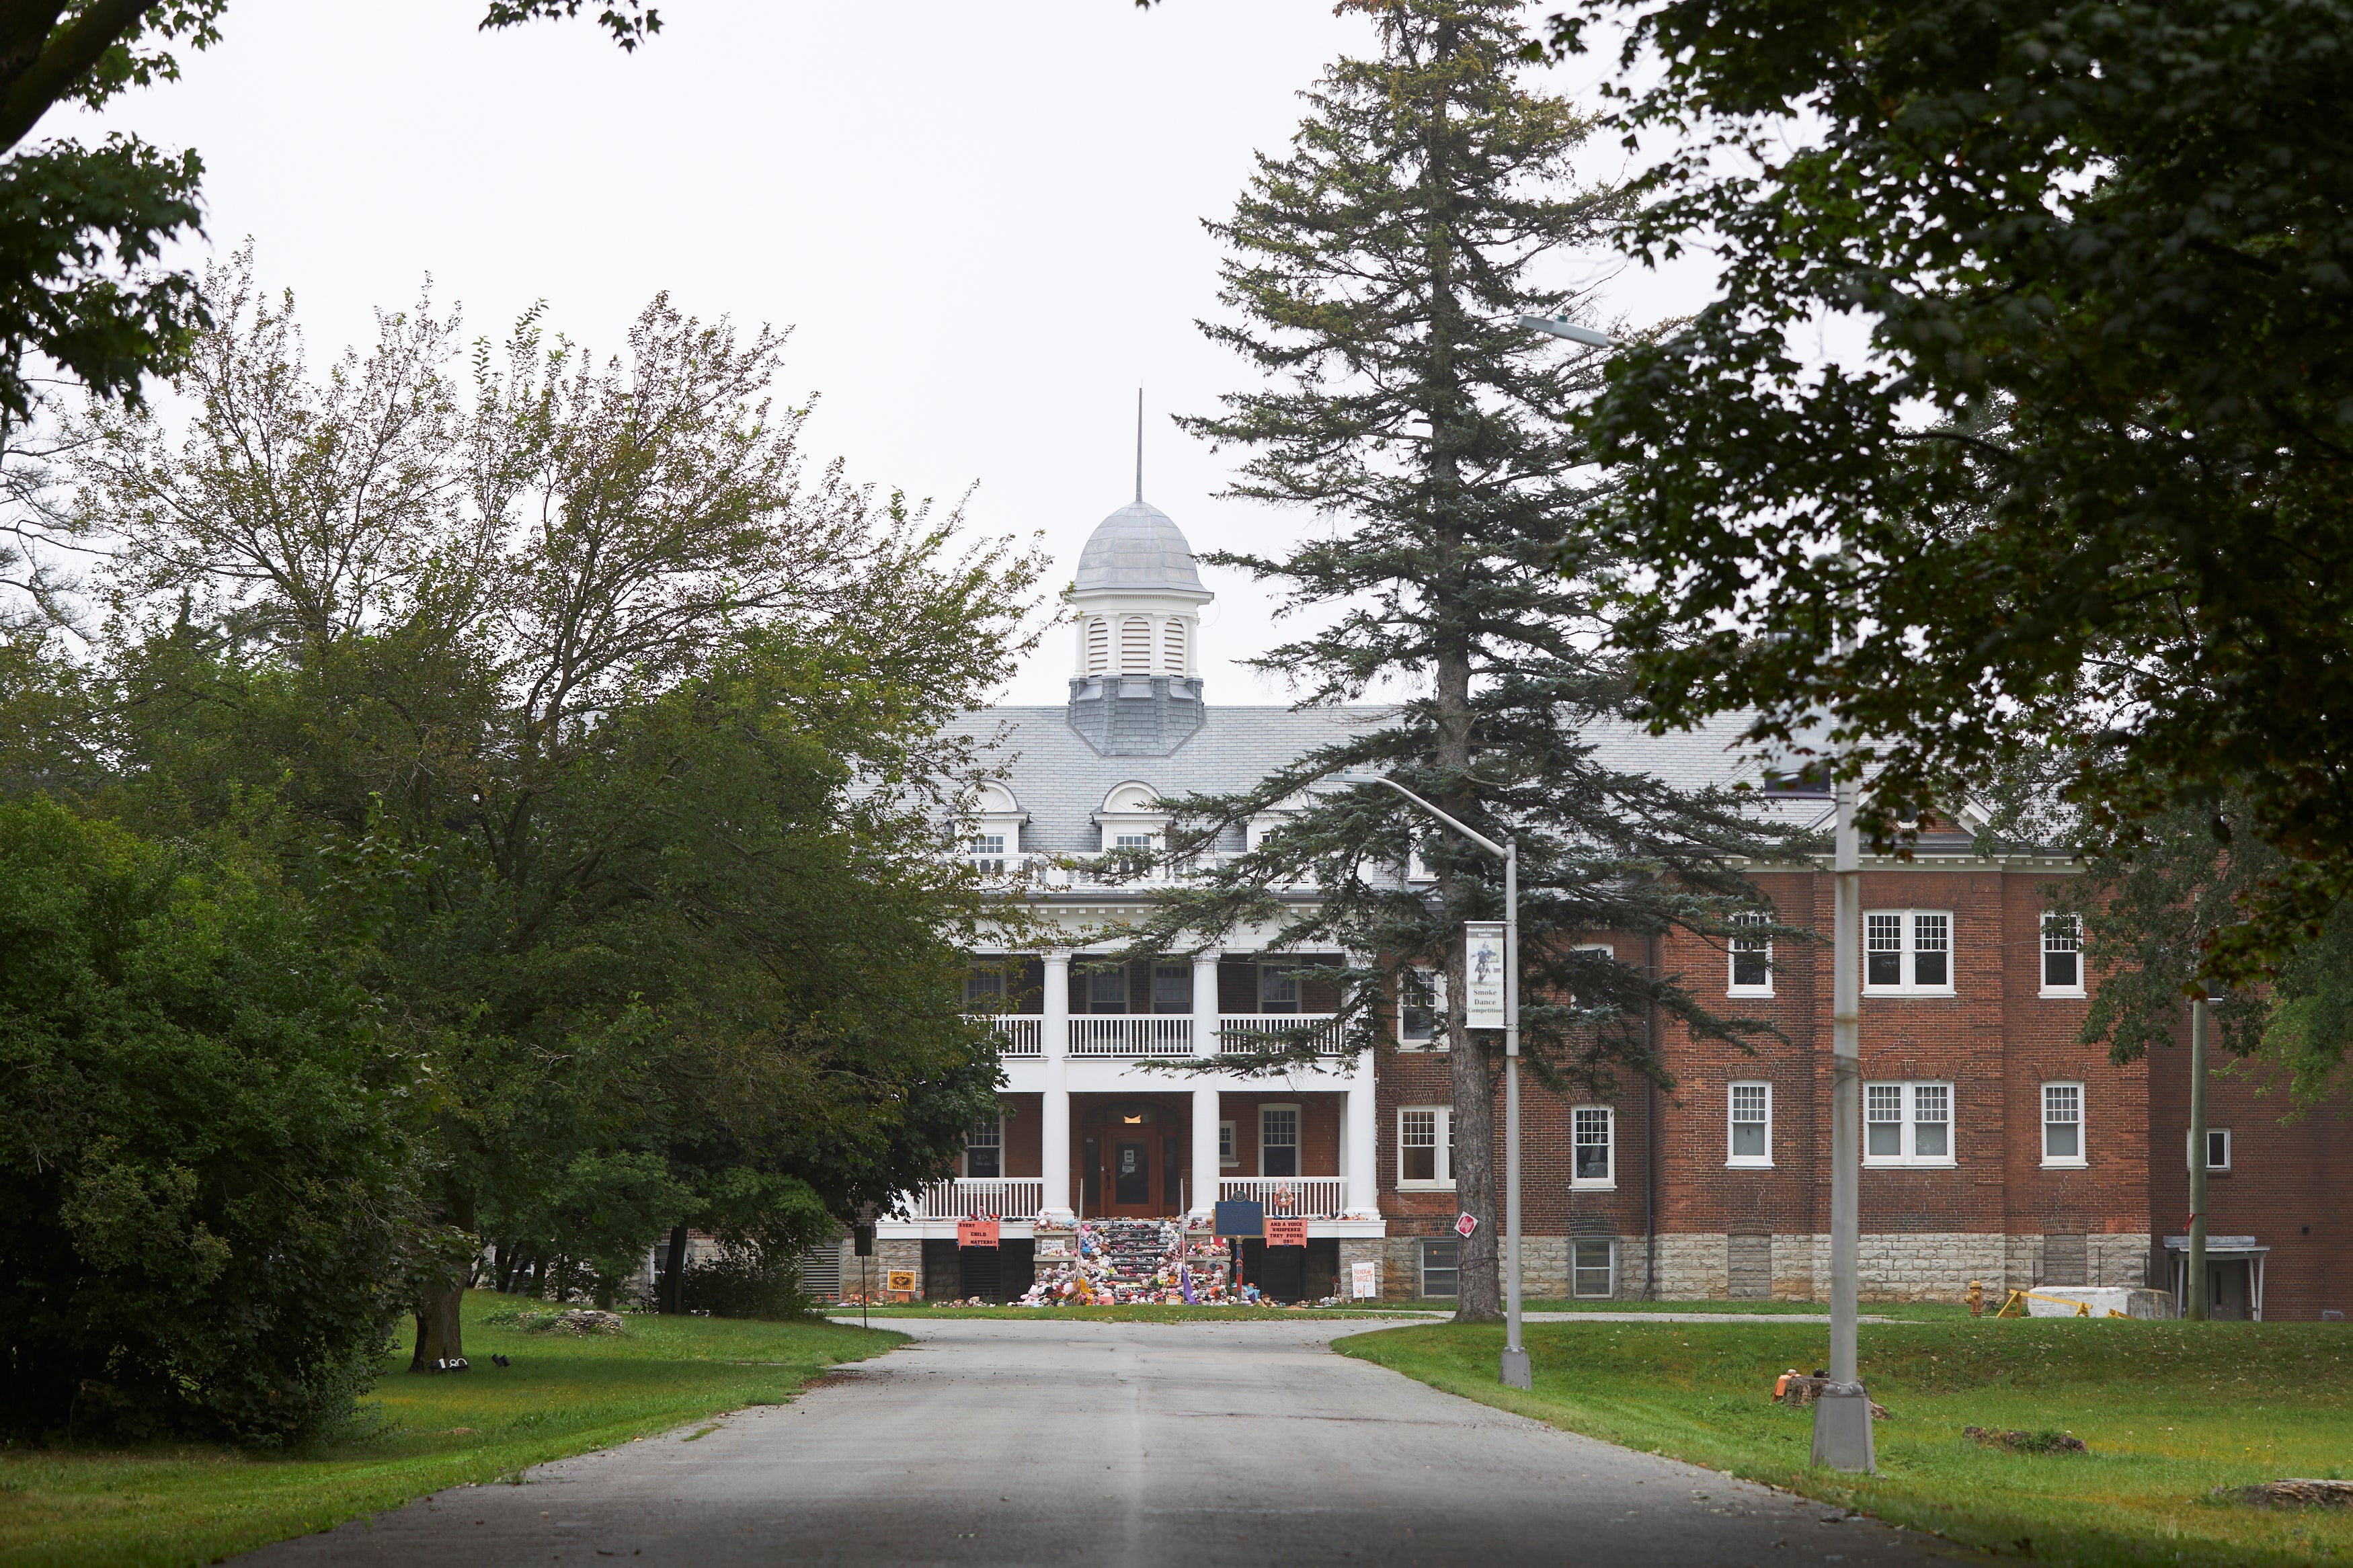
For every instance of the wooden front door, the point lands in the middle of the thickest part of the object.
(1134, 1179)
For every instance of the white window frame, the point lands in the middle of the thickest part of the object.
(1733, 1158)
(1440, 1036)
(2229, 1149)
(1610, 1247)
(1908, 962)
(1226, 1146)
(1298, 1138)
(1601, 947)
(1421, 1269)
(1735, 949)
(1909, 1140)
(1443, 1164)
(2082, 1157)
(963, 1157)
(2068, 928)
(1577, 1115)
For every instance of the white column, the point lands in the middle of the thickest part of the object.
(1054, 1132)
(1360, 1140)
(1205, 1100)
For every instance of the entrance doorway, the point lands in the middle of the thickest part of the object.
(2226, 1291)
(1137, 1155)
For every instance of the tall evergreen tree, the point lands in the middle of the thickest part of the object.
(1376, 272)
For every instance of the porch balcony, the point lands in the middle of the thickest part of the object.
(979, 1197)
(1290, 1198)
(1017, 1034)
(1131, 1035)
(1248, 1034)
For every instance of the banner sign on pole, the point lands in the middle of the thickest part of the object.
(980, 1232)
(1286, 1232)
(1483, 974)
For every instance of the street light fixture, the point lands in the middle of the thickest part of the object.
(1515, 1371)
(1561, 327)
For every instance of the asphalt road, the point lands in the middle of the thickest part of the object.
(990, 1441)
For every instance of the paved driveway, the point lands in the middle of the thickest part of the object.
(990, 1441)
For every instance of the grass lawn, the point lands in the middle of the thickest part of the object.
(1901, 1311)
(1140, 1312)
(563, 1396)
(2170, 1411)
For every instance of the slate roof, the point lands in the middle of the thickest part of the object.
(1060, 781)
(1138, 549)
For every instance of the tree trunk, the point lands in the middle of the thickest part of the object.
(439, 1334)
(673, 1280)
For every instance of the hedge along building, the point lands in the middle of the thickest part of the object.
(1996, 1147)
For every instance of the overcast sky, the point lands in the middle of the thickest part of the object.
(980, 217)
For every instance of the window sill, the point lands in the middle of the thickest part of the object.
(2071, 992)
(1425, 1187)
(2066, 1164)
(1870, 1164)
(1748, 1164)
(1581, 1185)
(1766, 991)
(1909, 990)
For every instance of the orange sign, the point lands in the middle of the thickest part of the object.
(1286, 1232)
(976, 1232)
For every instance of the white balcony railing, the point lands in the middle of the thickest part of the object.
(1018, 1034)
(980, 1197)
(1141, 1035)
(1290, 1198)
(1245, 1034)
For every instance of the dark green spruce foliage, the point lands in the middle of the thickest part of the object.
(1375, 274)
(2092, 468)
(204, 1199)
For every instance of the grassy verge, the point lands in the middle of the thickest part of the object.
(2170, 1411)
(1140, 1312)
(563, 1396)
(1899, 1311)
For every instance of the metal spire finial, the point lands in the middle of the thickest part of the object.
(1139, 445)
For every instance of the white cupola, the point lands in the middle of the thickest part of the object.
(1138, 598)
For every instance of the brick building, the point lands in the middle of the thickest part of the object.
(1995, 1148)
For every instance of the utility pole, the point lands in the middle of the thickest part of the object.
(1842, 1439)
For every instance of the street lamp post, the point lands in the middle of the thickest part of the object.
(1515, 1371)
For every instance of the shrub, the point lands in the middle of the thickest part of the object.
(745, 1282)
(203, 1194)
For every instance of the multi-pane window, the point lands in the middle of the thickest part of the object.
(1441, 1269)
(1278, 989)
(983, 986)
(1751, 1141)
(1752, 961)
(2063, 1125)
(1426, 1146)
(1277, 1140)
(984, 1149)
(2063, 955)
(1172, 987)
(1131, 841)
(1225, 1155)
(2218, 1147)
(1591, 1152)
(988, 844)
(1593, 1268)
(1907, 1123)
(1107, 990)
(1907, 949)
(1421, 1000)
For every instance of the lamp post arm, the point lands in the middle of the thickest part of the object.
(1481, 840)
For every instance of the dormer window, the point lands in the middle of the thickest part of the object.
(1129, 821)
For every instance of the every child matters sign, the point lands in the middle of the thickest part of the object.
(1483, 974)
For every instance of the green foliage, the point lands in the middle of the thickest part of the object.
(2087, 486)
(745, 1282)
(204, 1200)
(602, 728)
